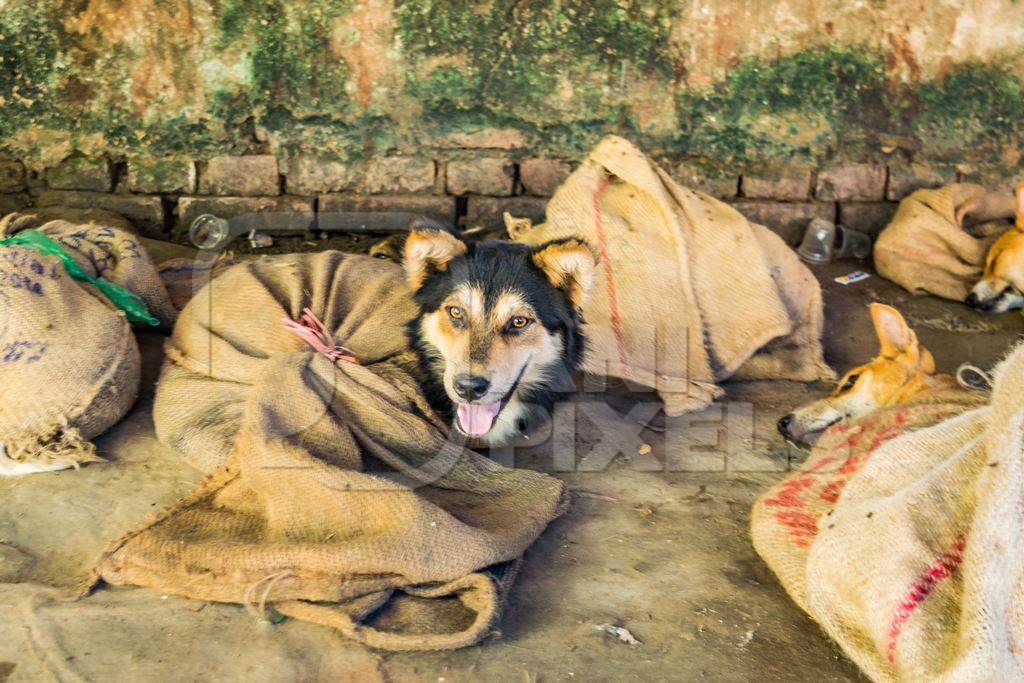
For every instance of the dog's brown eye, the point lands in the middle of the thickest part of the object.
(455, 312)
(518, 322)
(848, 384)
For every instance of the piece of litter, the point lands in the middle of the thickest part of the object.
(747, 637)
(850, 278)
(278, 619)
(645, 449)
(260, 240)
(619, 632)
(591, 494)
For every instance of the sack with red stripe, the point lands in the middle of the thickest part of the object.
(906, 541)
(689, 292)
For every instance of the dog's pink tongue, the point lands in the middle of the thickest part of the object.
(476, 419)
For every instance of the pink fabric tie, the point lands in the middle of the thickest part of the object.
(312, 331)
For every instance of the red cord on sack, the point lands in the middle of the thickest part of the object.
(613, 302)
(940, 569)
(312, 331)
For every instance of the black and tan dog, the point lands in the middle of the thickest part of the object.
(499, 327)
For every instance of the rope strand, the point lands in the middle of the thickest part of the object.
(312, 330)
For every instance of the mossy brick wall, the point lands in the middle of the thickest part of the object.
(748, 99)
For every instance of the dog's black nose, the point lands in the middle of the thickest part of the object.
(783, 424)
(471, 387)
(972, 300)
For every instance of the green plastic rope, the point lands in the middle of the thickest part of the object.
(125, 299)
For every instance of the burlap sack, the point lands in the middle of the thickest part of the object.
(69, 364)
(134, 636)
(925, 250)
(915, 563)
(688, 292)
(332, 482)
(185, 276)
(104, 248)
(785, 520)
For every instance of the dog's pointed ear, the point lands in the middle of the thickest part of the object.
(896, 337)
(569, 265)
(429, 251)
(516, 227)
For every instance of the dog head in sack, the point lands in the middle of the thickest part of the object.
(902, 370)
(499, 328)
(1001, 287)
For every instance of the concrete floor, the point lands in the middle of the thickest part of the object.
(662, 552)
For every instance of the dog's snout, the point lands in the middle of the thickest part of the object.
(783, 424)
(471, 387)
(972, 300)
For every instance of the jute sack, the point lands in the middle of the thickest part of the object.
(918, 568)
(925, 250)
(331, 481)
(785, 520)
(69, 364)
(104, 247)
(688, 292)
(183, 277)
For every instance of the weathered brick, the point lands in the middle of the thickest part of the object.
(486, 212)
(788, 220)
(90, 214)
(146, 212)
(174, 175)
(81, 173)
(333, 206)
(390, 175)
(245, 176)
(851, 182)
(13, 202)
(485, 138)
(310, 174)
(543, 176)
(483, 175)
(12, 176)
(996, 179)
(260, 213)
(720, 185)
(906, 177)
(869, 217)
(785, 182)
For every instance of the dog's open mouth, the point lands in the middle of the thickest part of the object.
(476, 419)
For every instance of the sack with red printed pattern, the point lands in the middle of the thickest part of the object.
(903, 535)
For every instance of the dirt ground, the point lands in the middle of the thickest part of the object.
(654, 543)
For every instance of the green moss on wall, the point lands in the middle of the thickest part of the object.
(799, 106)
(541, 63)
(978, 107)
(292, 63)
(31, 41)
(242, 75)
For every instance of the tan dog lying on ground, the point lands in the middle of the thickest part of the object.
(1001, 287)
(903, 369)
